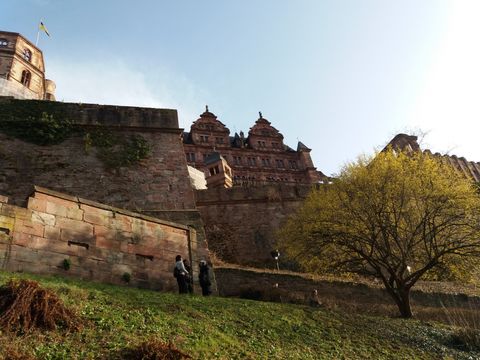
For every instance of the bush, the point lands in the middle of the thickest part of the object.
(126, 277)
(66, 264)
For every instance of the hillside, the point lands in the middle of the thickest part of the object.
(223, 328)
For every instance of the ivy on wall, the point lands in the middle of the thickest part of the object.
(46, 123)
(44, 130)
(117, 150)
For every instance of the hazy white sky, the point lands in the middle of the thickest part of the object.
(342, 76)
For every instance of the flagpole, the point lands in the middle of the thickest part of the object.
(38, 32)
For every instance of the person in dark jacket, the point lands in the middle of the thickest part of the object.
(204, 278)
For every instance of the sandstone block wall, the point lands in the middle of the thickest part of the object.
(102, 243)
(159, 182)
(241, 222)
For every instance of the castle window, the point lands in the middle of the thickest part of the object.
(266, 162)
(26, 76)
(251, 161)
(3, 42)
(237, 160)
(293, 164)
(204, 138)
(214, 170)
(280, 163)
(27, 54)
(261, 144)
(190, 157)
(219, 140)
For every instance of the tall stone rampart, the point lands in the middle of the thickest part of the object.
(241, 222)
(71, 236)
(157, 185)
(160, 181)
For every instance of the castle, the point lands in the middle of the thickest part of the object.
(260, 157)
(114, 194)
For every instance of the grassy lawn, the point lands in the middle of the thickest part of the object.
(223, 328)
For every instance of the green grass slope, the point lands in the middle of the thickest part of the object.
(223, 328)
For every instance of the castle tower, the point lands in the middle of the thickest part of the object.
(22, 69)
(219, 172)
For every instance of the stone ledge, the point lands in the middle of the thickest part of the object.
(114, 210)
(109, 115)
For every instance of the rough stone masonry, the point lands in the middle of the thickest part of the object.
(157, 185)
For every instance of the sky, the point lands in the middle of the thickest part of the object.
(342, 76)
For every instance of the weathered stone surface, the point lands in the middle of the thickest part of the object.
(241, 223)
(69, 168)
(137, 244)
(43, 218)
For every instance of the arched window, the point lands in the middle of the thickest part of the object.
(26, 76)
(3, 42)
(27, 54)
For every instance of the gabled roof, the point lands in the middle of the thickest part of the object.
(187, 138)
(213, 158)
(302, 147)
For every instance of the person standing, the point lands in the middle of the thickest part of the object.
(204, 278)
(189, 277)
(181, 274)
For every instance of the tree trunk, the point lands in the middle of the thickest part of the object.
(403, 303)
(402, 299)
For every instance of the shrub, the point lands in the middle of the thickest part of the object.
(126, 277)
(66, 264)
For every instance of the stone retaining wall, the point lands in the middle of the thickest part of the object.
(291, 287)
(101, 243)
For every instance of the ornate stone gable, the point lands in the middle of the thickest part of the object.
(263, 136)
(207, 130)
(264, 128)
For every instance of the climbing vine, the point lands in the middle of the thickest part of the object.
(44, 129)
(117, 150)
(47, 123)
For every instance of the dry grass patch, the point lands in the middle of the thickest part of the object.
(155, 350)
(24, 305)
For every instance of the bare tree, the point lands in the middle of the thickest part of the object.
(396, 217)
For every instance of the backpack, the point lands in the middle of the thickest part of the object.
(176, 272)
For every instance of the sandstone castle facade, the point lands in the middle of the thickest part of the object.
(260, 157)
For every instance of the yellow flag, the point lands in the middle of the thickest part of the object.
(42, 27)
